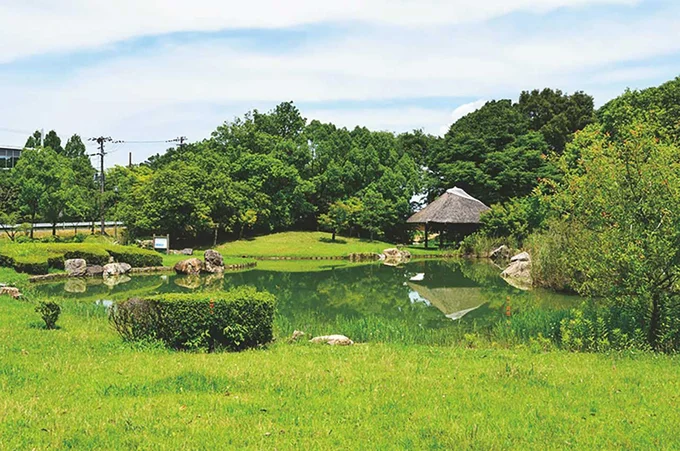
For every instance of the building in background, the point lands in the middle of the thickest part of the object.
(9, 156)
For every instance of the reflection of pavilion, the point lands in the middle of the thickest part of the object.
(453, 302)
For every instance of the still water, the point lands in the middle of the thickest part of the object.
(431, 294)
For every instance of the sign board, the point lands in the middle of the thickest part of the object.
(160, 244)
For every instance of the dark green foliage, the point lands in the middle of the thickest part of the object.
(492, 154)
(555, 115)
(233, 320)
(137, 258)
(517, 218)
(34, 265)
(49, 311)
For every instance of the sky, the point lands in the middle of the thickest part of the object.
(145, 70)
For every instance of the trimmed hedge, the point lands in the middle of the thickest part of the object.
(30, 265)
(234, 320)
(37, 258)
(135, 257)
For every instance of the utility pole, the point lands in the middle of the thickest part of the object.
(181, 140)
(101, 140)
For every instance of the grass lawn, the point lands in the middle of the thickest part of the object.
(81, 387)
(308, 244)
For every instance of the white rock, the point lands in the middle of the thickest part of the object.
(334, 340)
(523, 257)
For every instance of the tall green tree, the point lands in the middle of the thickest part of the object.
(624, 197)
(45, 179)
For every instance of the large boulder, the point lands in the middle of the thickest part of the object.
(395, 257)
(116, 269)
(76, 267)
(191, 267)
(214, 263)
(518, 274)
(523, 257)
(500, 254)
(333, 340)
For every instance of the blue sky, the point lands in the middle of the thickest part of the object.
(149, 70)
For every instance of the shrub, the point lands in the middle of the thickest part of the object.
(135, 257)
(34, 265)
(50, 312)
(234, 320)
(480, 245)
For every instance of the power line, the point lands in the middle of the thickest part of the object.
(17, 131)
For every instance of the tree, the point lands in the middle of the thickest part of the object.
(53, 141)
(372, 217)
(45, 180)
(75, 147)
(555, 115)
(337, 218)
(35, 140)
(624, 197)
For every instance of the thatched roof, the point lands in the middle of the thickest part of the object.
(454, 207)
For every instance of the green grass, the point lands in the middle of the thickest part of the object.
(308, 244)
(80, 387)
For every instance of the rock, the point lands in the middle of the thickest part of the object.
(214, 263)
(112, 260)
(116, 269)
(112, 281)
(187, 251)
(191, 267)
(94, 270)
(296, 335)
(523, 257)
(333, 340)
(518, 274)
(76, 267)
(395, 257)
(502, 253)
(75, 286)
(10, 291)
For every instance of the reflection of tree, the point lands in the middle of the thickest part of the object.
(357, 292)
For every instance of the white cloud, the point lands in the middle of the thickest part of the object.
(41, 26)
(188, 88)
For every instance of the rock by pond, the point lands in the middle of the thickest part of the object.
(395, 257)
(214, 263)
(191, 267)
(116, 269)
(518, 274)
(76, 267)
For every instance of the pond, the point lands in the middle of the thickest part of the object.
(422, 298)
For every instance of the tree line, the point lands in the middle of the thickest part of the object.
(276, 171)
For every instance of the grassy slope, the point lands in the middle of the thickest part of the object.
(306, 244)
(80, 387)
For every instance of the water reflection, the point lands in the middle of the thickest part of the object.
(429, 294)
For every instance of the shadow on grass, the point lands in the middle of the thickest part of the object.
(330, 241)
(40, 325)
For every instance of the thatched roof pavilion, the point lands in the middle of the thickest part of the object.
(453, 208)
